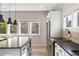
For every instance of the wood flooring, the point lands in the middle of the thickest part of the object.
(39, 51)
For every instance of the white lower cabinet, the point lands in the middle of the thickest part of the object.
(59, 51)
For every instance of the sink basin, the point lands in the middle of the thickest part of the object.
(76, 51)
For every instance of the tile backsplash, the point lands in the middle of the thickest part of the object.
(74, 36)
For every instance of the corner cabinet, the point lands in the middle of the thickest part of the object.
(55, 23)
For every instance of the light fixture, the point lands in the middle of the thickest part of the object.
(9, 19)
(1, 19)
(15, 21)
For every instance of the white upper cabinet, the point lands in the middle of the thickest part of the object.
(56, 23)
(8, 7)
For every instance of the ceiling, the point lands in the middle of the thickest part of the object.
(29, 6)
(34, 6)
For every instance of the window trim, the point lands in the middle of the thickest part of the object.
(65, 27)
(31, 28)
(75, 19)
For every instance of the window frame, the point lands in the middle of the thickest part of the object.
(75, 19)
(71, 17)
(31, 28)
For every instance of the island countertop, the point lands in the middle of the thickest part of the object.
(13, 42)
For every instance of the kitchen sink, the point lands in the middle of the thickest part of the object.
(76, 51)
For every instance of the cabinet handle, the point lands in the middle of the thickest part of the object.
(60, 51)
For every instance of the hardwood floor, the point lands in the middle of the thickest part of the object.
(39, 51)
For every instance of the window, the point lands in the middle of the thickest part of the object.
(68, 21)
(24, 27)
(3, 28)
(35, 28)
(13, 29)
(30, 28)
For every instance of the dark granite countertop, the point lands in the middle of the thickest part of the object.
(58, 39)
(67, 45)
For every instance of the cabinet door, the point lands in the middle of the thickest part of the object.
(4, 43)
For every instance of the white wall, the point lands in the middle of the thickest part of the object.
(69, 9)
(32, 16)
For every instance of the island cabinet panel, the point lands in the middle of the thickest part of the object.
(3, 43)
(9, 52)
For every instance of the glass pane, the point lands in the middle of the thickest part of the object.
(2, 28)
(13, 29)
(35, 28)
(68, 22)
(24, 28)
(78, 18)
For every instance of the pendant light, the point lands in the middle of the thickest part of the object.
(9, 19)
(15, 21)
(1, 19)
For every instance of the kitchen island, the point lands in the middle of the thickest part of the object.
(15, 46)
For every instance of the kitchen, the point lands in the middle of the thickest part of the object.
(28, 26)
